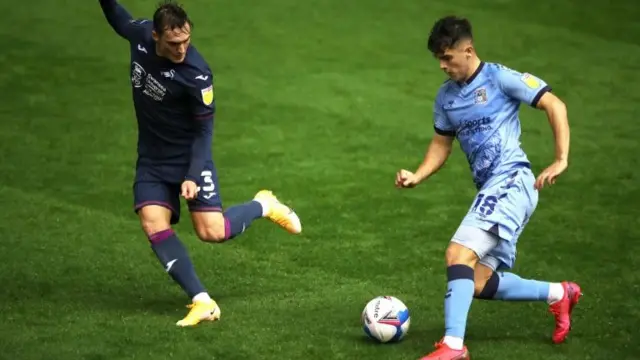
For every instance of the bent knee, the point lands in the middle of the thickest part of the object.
(211, 231)
(154, 219)
(478, 286)
(485, 282)
(457, 254)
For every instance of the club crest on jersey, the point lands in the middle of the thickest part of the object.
(207, 95)
(137, 74)
(168, 74)
(530, 81)
(480, 96)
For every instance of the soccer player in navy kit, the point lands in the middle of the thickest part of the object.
(173, 96)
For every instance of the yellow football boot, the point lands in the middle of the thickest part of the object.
(200, 311)
(278, 212)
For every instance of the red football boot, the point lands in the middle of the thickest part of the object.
(562, 311)
(444, 352)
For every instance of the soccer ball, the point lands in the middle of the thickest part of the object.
(386, 319)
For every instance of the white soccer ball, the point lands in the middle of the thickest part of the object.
(386, 319)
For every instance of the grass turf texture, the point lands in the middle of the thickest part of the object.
(322, 102)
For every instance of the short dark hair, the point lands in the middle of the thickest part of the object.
(447, 32)
(170, 15)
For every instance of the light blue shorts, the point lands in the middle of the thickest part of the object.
(497, 216)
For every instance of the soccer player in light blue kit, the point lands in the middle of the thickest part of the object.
(478, 105)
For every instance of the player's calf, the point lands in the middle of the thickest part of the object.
(209, 226)
(170, 251)
(485, 282)
(460, 287)
(463, 252)
(492, 285)
(217, 227)
(561, 297)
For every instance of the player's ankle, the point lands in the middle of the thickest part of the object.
(556, 293)
(202, 297)
(266, 207)
(453, 342)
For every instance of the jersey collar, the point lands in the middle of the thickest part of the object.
(475, 74)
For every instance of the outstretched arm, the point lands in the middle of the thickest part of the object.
(118, 17)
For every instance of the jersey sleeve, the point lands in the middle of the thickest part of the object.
(523, 87)
(121, 21)
(202, 96)
(202, 100)
(441, 123)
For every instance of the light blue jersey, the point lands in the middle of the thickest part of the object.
(482, 114)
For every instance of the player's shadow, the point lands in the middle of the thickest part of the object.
(158, 300)
(493, 335)
(123, 297)
(416, 339)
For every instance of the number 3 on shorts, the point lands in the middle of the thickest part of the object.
(208, 185)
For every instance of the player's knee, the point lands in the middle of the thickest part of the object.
(485, 282)
(478, 284)
(213, 235)
(154, 219)
(212, 230)
(457, 254)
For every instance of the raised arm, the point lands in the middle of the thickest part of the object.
(119, 18)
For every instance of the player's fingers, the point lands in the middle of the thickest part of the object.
(539, 181)
(544, 180)
(187, 192)
(407, 182)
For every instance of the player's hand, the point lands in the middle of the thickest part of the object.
(550, 174)
(406, 179)
(189, 190)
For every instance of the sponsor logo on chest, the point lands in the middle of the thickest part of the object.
(149, 85)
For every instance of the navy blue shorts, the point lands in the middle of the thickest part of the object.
(160, 185)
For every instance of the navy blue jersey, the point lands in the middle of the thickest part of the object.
(174, 103)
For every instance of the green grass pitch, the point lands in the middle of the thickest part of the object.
(320, 101)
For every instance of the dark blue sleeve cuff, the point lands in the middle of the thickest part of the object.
(451, 133)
